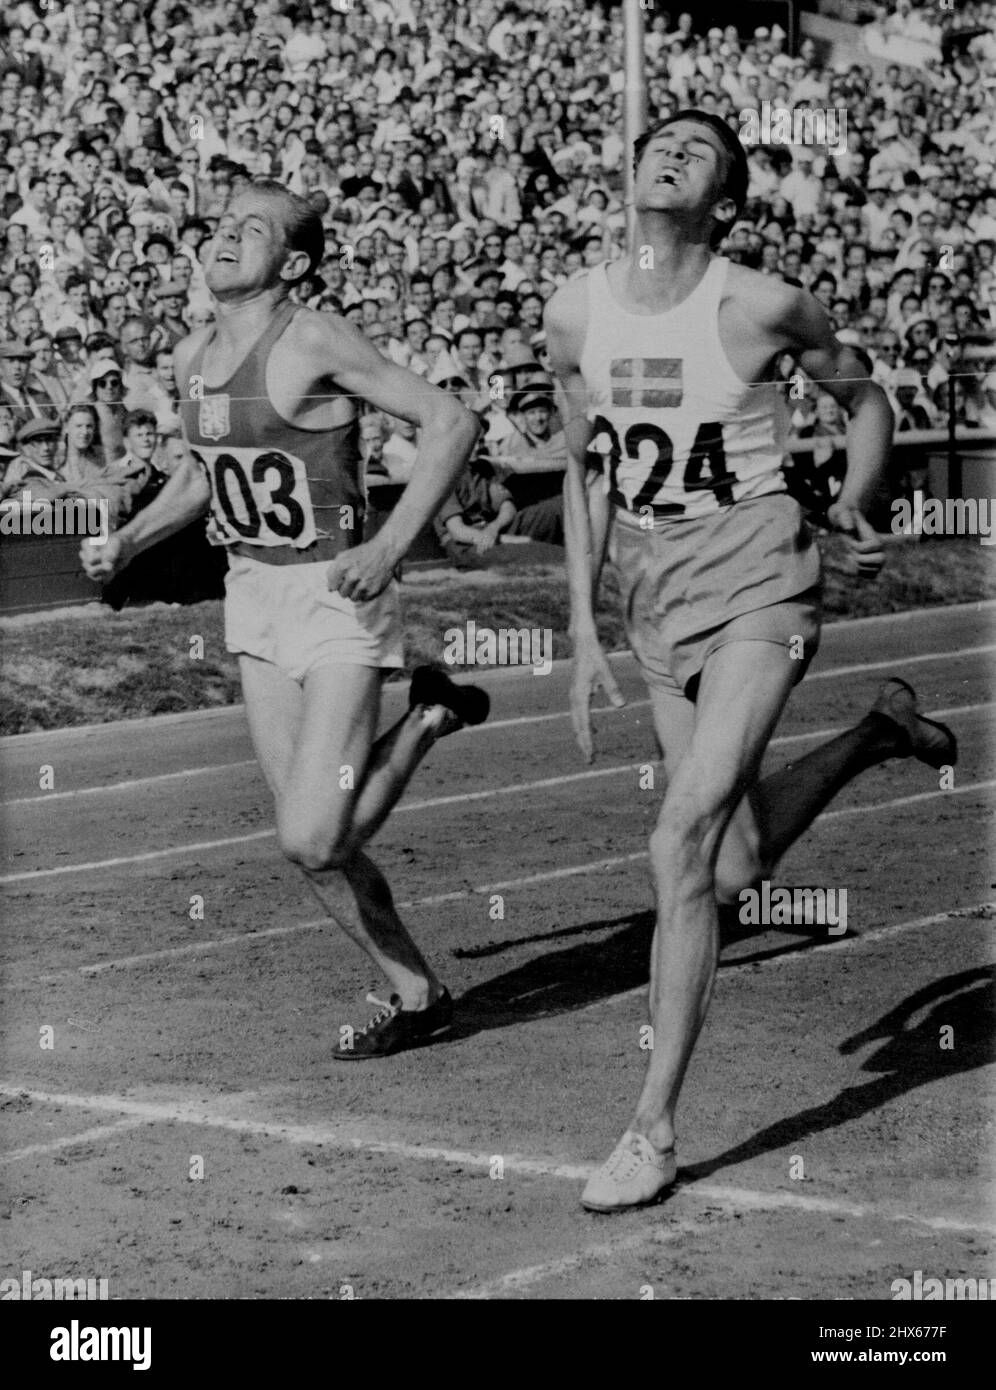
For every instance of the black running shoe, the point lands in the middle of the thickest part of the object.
(469, 703)
(927, 739)
(393, 1029)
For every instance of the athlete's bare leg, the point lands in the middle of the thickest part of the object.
(309, 741)
(719, 831)
(393, 759)
(741, 695)
(776, 810)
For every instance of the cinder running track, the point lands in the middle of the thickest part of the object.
(831, 1138)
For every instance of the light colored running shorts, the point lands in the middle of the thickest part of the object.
(750, 572)
(286, 615)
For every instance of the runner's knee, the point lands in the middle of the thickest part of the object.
(310, 848)
(683, 843)
(678, 846)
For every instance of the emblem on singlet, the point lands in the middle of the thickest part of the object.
(646, 383)
(213, 416)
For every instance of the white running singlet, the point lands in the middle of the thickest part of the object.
(677, 429)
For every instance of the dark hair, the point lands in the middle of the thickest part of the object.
(134, 418)
(97, 341)
(82, 408)
(736, 175)
(303, 230)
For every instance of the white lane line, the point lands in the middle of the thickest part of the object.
(193, 948)
(188, 1111)
(431, 803)
(493, 725)
(463, 894)
(148, 857)
(130, 783)
(874, 934)
(806, 952)
(69, 1141)
(518, 1280)
(898, 664)
(733, 1200)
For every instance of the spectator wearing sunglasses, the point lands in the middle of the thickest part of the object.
(141, 279)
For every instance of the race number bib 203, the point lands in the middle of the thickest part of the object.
(258, 495)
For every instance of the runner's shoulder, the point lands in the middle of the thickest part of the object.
(187, 348)
(321, 334)
(565, 316)
(765, 299)
(567, 301)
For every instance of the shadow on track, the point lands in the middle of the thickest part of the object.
(910, 1056)
(560, 982)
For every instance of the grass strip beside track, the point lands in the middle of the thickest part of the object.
(89, 665)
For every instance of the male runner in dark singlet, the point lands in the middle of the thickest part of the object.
(269, 406)
(666, 360)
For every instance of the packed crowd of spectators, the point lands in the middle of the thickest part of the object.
(465, 161)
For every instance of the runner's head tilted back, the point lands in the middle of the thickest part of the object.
(692, 171)
(268, 240)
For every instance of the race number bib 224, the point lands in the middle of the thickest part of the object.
(259, 495)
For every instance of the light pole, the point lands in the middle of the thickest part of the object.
(634, 96)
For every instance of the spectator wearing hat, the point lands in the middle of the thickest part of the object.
(104, 384)
(15, 369)
(532, 462)
(68, 364)
(34, 468)
(909, 405)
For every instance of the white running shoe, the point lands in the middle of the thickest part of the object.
(634, 1175)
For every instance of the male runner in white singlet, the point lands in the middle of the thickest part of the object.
(269, 409)
(665, 359)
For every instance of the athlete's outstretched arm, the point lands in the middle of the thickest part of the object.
(184, 498)
(586, 515)
(448, 432)
(870, 421)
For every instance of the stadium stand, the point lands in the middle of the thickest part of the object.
(466, 161)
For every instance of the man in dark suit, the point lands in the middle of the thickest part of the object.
(415, 184)
(28, 66)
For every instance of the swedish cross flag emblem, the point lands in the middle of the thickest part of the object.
(653, 383)
(212, 419)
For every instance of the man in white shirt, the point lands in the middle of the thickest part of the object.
(801, 187)
(33, 213)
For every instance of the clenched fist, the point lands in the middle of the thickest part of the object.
(362, 573)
